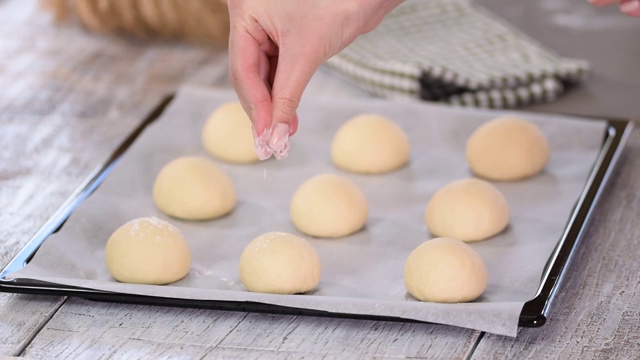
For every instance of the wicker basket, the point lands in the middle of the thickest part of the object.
(194, 20)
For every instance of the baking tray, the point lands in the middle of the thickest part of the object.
(534, 312)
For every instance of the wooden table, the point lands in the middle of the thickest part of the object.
(68, 97)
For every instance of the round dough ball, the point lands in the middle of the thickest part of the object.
(280, 263)
(329, 206)
(193, 188)
(445, 270)
(468, 209)
(147, 251)
(370, 144)
(227, 135)
(507, 148)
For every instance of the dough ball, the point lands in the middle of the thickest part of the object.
(507, 148)
(468, 209)
(280, 263)
(227, 135)
(193, 188)
(445, 270)
(329, 206)
(370, 144)
(147, 251)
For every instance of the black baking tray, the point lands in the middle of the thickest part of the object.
(534, 312)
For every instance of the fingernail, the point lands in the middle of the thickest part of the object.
(284, 152)
(630, 7)
(260, 143)
(279, 141)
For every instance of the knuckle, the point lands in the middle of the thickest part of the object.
(286, 104)
(257, 104)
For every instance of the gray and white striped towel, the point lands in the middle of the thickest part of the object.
(456, 52)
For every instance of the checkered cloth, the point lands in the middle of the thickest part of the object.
(456, 52)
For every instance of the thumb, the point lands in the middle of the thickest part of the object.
(294, 70)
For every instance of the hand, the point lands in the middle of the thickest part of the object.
(275, 47)
(629, 7)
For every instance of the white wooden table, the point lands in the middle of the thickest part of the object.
(68, 97)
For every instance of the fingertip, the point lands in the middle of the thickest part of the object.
(260, 115)
(294, 125)
(603, 2)
(631, 8)
(279, 142)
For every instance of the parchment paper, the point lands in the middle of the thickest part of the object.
(362, 274)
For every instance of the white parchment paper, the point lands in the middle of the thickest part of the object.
(362, 274)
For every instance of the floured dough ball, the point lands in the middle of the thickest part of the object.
(370, 144)
(227, 135)
(445, 270)
(280, 263)
(193, 188)
(507, 148)
(329, 206)
(147, 251)
(468, 209)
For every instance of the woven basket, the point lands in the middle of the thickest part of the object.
(193, 20)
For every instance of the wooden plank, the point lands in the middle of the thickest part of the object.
(350, 338)
(21, 317)
(74, 96)
(68, 98)
(596, 315)
(93, 330)
(62, 112)
(96, 330)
